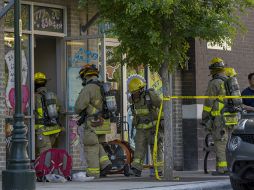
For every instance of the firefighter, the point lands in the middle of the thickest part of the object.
(145, 108)
(47, 126)
(89, 106)
(215, 113)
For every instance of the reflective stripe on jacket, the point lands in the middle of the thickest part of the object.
(214, 108)
(46, 130)
(144, 116)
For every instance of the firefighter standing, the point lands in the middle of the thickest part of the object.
(89, 106)
(47, 126)
(216, 112)
(145, 105)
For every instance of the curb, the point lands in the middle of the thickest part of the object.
(218, 185)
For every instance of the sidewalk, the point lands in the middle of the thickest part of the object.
(183, 181)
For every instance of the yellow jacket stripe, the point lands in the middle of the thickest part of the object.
(38, 126)
(207, 108)
(218, 112)
(103, 159)
(147, 126)
(51, 132)
(222, 164)
(93, 170)
(142, 111)
(40, 112)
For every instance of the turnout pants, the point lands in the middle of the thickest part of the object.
(220, 137)
(96, 157)
(44, 142)
(143, 138)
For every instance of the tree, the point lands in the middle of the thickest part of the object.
(156, 33)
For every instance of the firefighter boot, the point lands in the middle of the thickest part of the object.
(217, 173)
(135, 172)
(105, 171)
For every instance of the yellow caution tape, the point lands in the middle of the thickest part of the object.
(155, 147)
(206, 97)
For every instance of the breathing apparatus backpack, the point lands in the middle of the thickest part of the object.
(232, 89)
(233, 105)
(109, 107)
(49, 106)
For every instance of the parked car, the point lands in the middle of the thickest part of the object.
(240, 154)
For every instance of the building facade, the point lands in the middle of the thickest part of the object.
(55, 41)
(195, 80)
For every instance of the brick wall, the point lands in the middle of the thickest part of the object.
(2, 98)
(190, 143)
(241, 57)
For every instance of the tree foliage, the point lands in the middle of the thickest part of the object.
(154, 31)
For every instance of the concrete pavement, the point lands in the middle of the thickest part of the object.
(209, 185)
(183, 181)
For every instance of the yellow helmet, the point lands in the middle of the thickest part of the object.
(230, 72)
(136, 84)
(88, 70)
(216, 63)
(40, 78)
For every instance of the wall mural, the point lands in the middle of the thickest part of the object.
(83, 56)
(111, 71)
(10, 90)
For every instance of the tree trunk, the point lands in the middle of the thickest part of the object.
(168, 128)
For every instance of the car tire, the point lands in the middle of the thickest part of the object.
(236, 185)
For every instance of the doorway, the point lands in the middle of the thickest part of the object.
(47, 59)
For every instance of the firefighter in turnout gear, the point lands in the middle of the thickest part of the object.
(47, 127)
(216, 113)
(89, 106)
(145, 108)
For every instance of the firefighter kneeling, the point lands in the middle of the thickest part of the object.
(145, 108)
(220, 115)
(90, 106)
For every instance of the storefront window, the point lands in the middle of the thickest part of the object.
(25, 16)
(10, 83)
(79, 53)
(9, 74)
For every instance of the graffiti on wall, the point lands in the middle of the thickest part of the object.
(111, 71)
(10, 91)
(83, 56)
(73, 131)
